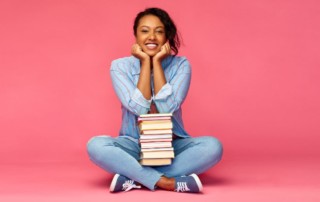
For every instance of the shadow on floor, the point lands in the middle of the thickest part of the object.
(102, 182)
(209, 179)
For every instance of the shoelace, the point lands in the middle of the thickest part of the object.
(182, 187)
(129, 184)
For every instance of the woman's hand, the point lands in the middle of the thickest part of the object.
(163, 53)
(137, 51)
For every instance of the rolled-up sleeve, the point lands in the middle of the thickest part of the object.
(173, 93)
(129, 95)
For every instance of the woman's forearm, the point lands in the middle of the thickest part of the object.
(144, 83)
(158, 76)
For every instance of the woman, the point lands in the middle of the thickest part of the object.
(153, 81)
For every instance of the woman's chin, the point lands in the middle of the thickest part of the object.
(151, 53)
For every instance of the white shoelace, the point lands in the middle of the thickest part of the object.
(182, 187)
(129, 184)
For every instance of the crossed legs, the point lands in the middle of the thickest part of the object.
(121, 155)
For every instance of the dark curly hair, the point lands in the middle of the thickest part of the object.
(169, 26)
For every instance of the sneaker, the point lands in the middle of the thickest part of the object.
(122, 183)
(189, 183)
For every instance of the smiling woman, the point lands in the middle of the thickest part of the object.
(150, 35)
(153, 80)
(162, 20)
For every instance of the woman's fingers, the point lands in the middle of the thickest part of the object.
(167, 48)
(135, 48)
(137, 51)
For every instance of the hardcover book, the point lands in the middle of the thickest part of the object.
(161, 136)
(155, 126)
(150, 132)
(157, 154)
(155, 144)
(155, 162)
(156, 115)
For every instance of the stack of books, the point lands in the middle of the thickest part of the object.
(156, 139)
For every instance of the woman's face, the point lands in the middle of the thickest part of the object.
(150, 34)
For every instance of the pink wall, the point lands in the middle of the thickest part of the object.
(255, 79)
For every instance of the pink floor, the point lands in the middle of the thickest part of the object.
(234, 179)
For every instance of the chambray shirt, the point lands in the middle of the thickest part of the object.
(125, 74)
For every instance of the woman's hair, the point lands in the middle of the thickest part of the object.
(169, 26)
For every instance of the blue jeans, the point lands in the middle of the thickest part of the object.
(121, 155)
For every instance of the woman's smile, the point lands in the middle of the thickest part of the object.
(151, 46)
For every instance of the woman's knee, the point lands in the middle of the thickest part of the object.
(213, 148)
(95, 144)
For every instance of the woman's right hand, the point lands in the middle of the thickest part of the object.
(137, 51)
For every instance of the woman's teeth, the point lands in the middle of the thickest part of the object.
(151, 45)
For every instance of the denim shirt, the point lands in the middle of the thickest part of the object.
(125, 74)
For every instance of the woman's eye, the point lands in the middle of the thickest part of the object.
(144, 31)
(160, 31)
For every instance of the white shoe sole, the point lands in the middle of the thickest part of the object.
(114, 182)
(196, 178)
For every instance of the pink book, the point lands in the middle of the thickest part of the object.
(153, 118)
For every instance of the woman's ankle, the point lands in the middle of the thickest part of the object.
(166, 183)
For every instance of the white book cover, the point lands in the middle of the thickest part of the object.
(156, 136)
(166, 131)
(155, 144)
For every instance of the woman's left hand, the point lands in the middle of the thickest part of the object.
(163, 53)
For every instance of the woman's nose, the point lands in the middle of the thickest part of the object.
(152, 36)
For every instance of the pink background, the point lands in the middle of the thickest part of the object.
(255, 83)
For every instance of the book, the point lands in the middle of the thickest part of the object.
(161, 136)
(157, 154)
(155, 144)
(156, 140)
(155, 122)
(153, 118)
(155, 126)
(156, 162)
(162, 131)
(156, 115)
(156, 149)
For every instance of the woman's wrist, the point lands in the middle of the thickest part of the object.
(156, 61)
(145, 61)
